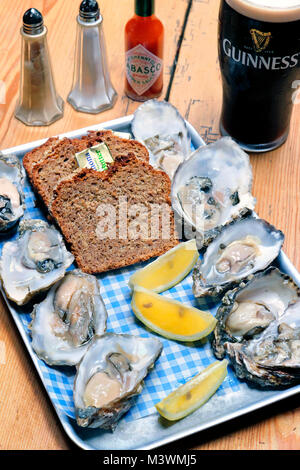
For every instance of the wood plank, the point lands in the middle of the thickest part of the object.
(197, 93)
(26, 415)
(60, 18)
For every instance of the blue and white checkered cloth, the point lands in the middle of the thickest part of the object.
(178, 362)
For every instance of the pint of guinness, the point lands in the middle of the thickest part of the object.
(259, 52)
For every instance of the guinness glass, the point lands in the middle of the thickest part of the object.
(259, 52)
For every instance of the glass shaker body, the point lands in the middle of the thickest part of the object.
(39, 103)
(92, 91)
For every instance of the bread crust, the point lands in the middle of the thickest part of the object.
(93, 255)
(36, 155)
(46, 172)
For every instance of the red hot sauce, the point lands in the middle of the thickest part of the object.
(144, 40)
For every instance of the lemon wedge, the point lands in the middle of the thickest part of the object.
(194, 393)
(167, 270)
(170, 318)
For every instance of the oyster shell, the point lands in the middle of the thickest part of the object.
(110, 375)
(65, 322)
(212, 187)
(242, 248)
(11, 191)
(34, 261)
(159, 126)
(259, 329)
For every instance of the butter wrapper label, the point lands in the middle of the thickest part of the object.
(96, 158)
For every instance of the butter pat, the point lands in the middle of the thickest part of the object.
(123, 135)
(96, 158)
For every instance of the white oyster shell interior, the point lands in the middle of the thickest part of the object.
(24, 275)
(226, 169)
(66, 321)
(242, 248)
(262, 301)
(11, 191)
(159, 126)
(109, 374)
(279, 344)
(268, 355)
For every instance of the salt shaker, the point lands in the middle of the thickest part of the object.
(92, 91)
(39, 103)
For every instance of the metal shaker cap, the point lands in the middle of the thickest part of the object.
(33, 22)
(89, 10)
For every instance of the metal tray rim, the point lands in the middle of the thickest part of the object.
(118, 124)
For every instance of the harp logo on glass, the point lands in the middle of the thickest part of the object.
(260, 40)
(258, 61)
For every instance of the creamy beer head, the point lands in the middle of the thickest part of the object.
(273, 11)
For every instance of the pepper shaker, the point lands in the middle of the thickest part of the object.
(39, 103)
(92, 91)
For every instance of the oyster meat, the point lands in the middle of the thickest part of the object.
(110, 375)
(242, 248)
(259, 329)
(65, 322)
(159, 126)
(34, 261)
(12, 177)
(212, 187)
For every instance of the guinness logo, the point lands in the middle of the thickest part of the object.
(260, 40)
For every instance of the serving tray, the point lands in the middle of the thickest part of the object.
(142, 427)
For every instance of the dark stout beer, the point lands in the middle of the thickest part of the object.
(259, 52)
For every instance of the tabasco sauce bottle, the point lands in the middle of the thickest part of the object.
(144, 37)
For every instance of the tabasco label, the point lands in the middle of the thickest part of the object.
(142, 68)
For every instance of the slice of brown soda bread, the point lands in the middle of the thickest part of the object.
(62, 162)
(38, 154)
(131, 200)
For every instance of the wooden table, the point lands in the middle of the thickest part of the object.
(27, 418)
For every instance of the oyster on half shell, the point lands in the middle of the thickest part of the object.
(242, 248)
(110, 375)
(212, 187)
(159, 126)
(65, 322)
(34, 261)
(12, 177)
(258, 329)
